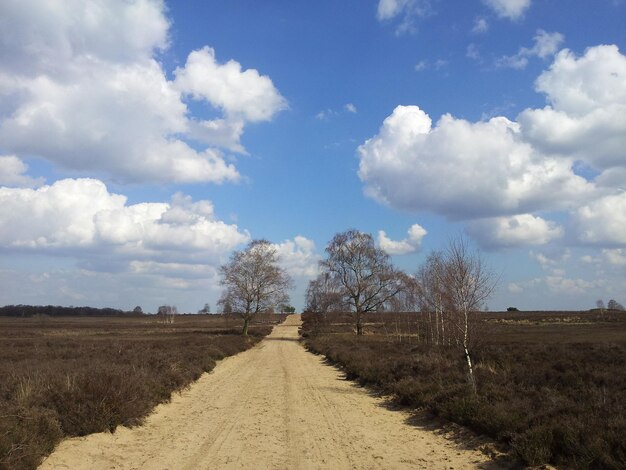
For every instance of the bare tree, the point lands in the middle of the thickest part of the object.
(433, 296)
(254, 282)
(363, 273)
(167, 313)
(408, 298)
(323, 295)
(615, 305)
(468, 285)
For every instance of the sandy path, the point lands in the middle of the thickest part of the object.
(275, 406)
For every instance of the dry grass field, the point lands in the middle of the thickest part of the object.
(551, 385)
(71, 376)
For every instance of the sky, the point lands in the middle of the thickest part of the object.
(143, 141)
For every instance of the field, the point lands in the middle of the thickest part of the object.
(71, 376)
(551, 386)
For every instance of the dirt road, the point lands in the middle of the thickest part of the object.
(275, 406)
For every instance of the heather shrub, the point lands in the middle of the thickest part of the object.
(552, 390)
(26, 433)
(63, 377)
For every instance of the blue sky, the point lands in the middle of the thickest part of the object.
(142, 142)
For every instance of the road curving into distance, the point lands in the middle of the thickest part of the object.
(275, 406)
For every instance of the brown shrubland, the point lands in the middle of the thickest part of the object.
(549, 385)
(71, 376)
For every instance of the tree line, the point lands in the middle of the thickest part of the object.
(57, 311)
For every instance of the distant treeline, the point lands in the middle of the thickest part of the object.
(56, 311)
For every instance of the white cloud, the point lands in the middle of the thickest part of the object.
(523, 286)
(329, 113)
(518, 230)
(424, 65)
(175, 270)
(602, 221)
(512, 169)
(461, 169)
(565, 286)
(616, 257)
(81, 87)
(81, 216)
(511, 9)
(13, 173)
(586, 117)
(546, 45)
(551, 259)
(298, 257)
(389, 8)
(325, 114)
(409, 245)
(408, 10)
(240, 94)
(480, 26)
(45, 37)
(472, 52)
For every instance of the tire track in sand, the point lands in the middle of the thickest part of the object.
(275, 406)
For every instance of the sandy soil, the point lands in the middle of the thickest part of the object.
(275, 406)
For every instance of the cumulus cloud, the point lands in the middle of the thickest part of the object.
(461, 169)
(81, 87)
(43, 37)
(298, 257)
(602, 221)
(402, 247)
(546, 45)
(13, 173)
(351, 108)
(240, 94)
(518, 230)
(586, 115)
(504, 171)
(82, 216)
(511, 9)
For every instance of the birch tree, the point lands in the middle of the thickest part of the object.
(468, 285)
(253, 281)
(323, 295)
(363, 273)
(433, 296)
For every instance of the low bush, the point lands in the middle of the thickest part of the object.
(548, 394)
(63, 377)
